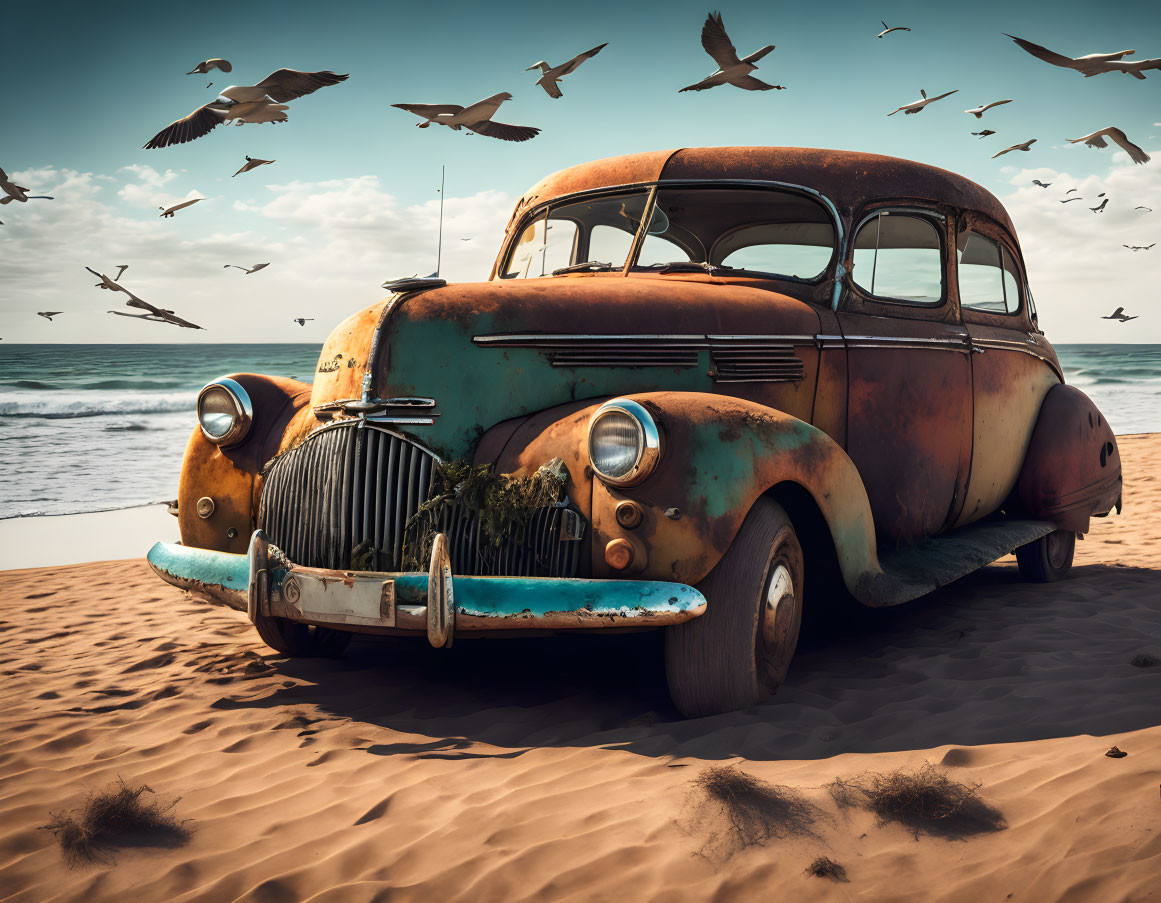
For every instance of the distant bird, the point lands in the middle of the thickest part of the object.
(1070, 200)
(1119, 314)
(1093, 64)
(1146, 209)
(475, 118)
(302, 321)
(122, 267)
(252, 163)
(888, 29)
(1097, 139)
(208, 84)
(917, 105)
(253, 269)
(1070, 191)
(1041, 184)
(1027, 145)
(1139, 247)
(206, 65)
(978, 112)
(1101, 208)
(263, 102)
(551, 75)
(984, 133)
(170, 211)
(465, 239)
(152, 314)
(731, 70)
(13, 192)
(1101, 195)
(48, 314)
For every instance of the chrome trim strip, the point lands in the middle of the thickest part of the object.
(913, 340)
(359, 422)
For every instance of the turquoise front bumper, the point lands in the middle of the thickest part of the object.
(362, 600)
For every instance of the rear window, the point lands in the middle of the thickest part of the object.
(899, 257)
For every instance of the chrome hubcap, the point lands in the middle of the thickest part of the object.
(780, 588)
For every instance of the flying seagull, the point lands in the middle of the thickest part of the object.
(1139, 247)
(731, 70)
(170, 211)
(1101, 207)
(13, 192)
(206, 65)
(263, 102)
(475, 118)
(1070, 191)
(302, 321)
(1146, 209)
(1119, 314)
(152, 314)
(1093, 64)
(1097, 139)
(121, 268)
(1027, 145)
(251, 163)
(978, 112)
(253, 269)
(1070, 200)
(550, 75)
(984, 133)
(917, 105)
(887, 29)
(48, 314)
(1041, 184)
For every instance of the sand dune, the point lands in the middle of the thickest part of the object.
(557, 769)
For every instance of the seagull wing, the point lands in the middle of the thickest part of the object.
(1096, 139)
(288, 84)
(183, 204)
(551, 88)
(503, 131)
(717, 43)
(1044, 53)
(200, 122)
(1136, 154)
(749, 83)
(572, 64)
(1005, 150)
(486, 108)
(941, 96)
(430, 110)
(996, 103)
(1118, 311)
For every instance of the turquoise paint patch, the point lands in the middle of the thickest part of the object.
(222, 569)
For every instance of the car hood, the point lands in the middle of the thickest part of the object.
(488, 352)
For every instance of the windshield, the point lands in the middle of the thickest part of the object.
(710, 228)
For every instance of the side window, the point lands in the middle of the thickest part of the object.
(987, 275)
(899, 257)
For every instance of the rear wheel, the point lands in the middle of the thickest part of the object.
(1049, 558)
(301, 640)
(738, 652)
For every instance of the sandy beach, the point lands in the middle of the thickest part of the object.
(557, 768)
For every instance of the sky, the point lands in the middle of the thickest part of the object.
(352, 199)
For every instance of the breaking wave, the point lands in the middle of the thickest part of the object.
(93, 404)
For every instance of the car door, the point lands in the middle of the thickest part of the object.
(909, 401)
(1013, 366)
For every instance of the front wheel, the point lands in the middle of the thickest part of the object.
(738, 652)
(301, 640)
(1049, 558)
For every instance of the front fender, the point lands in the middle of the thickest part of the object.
(231, 477)
(719, 455)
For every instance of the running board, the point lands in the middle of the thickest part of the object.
(930, 563)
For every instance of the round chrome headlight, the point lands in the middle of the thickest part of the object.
(225, 412)
(624, 444)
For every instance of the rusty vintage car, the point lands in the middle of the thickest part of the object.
(701, 391)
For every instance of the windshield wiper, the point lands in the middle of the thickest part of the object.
(691, 266)
(589, 266)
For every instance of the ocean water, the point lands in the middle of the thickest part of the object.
(103, 427)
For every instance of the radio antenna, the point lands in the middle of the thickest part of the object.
(439, 245)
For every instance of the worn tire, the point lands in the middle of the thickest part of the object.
(301, 640)
(1049, 558)
(738, 652)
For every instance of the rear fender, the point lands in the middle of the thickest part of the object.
(1072, 470)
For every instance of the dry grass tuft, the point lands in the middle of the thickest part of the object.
(925, 800)
(753, 811)
(826, 868)
(116, 817)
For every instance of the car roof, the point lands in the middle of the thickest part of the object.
(847, 178)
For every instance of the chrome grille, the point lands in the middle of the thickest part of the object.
(345, 490)
(342, 500)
